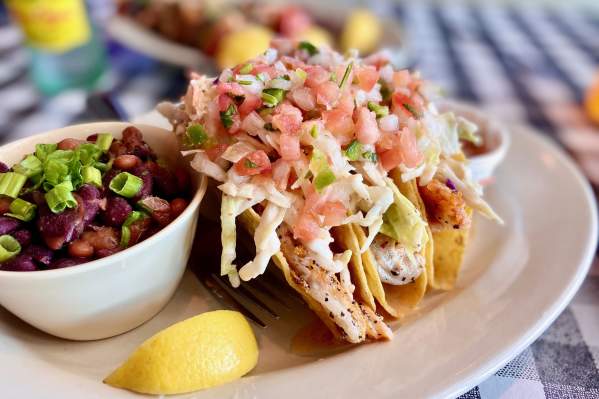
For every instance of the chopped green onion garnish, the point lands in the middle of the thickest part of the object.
(346, 74)
(272, 96)
(226, 117)
(301, 74)
(379, 110)
(126, 184)
(125, 230)
(30, 166)
(22, 210)
(9, 247)
(309, 47)
(88, 153)
(319, 166)
(314, 131)
(91, 175)
(353, 150)
(43, 150)
(250, 164)
(411, 109)
(60, 197)
(385, 91)
(262, 76)
(371, 156)
(245, 82)
(104, 166)
(104, 141)
(197, 134)
(247, 68)
(11, 184)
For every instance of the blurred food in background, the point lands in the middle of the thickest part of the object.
(234, 31)
(591, 100)
(65, 48)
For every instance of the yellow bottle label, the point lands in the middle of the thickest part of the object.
(52, 25)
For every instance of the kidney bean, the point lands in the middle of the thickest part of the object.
(20, 263)
(146, 189)
(23, 237)
(4, 204)
(67, 262)
(102, 253)
(80, 249)
(182, 177)
(39, 254)
(117, 210)
(4, 167)
(101, 238)
(178, 205)
(69, 144)
(8, 224)
(92, 138)
(126, 161)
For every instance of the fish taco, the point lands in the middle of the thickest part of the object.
(332, 164)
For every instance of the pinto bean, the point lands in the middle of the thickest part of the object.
(126, 161)
(69, 144)
(81, 249)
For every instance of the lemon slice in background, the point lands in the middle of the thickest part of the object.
(242, 45)
(362, 31)
(591, 100)
(201, 352)
(317, 36)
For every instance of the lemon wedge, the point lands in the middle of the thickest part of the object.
(242, 45)
(591, 100)
(201, 352)
(362, 31)
(317, 36)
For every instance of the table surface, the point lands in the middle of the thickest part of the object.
(526, 65)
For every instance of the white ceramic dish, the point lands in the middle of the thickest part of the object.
(495, 136)
(112, 295)
(516, 280)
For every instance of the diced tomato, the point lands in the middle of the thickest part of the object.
(341, 124)
(252, 164)
(334, 213)
(292, 62)
(264, 68)
(216, 151)
(402, 78)
(367, 77)
(306, 228)
(317, 75)
(390, 159)
(303, 97)
(403, 105)
(346, 103)
(289, 146)
(412, 156)
(232, 88)
(249, 104)
(287, 118)
(281, 170)
(223, 102)
(387, 141)
(367, 130)
(327, 93)
(293, 21)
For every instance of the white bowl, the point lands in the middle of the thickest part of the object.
(112, 295)
(495, 137)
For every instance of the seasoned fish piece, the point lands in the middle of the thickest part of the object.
(325, 294)
(394, 265)
(446, 208)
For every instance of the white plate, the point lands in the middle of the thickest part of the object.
(517, 279)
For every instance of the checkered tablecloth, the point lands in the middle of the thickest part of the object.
(524, 64)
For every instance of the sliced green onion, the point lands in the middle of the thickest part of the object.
(319, 166)
(226, 117)
(88, 153)
(245, 82)
(250, 164)
(379, 110)
(262, 77)
(247, 68)
(346, 74)
(11, 184)
(125, 230)
(197, 134)
(60, 197)
(314, 131)
(91, 175)
(309, 47)
(385, 91)
(411, 109)
(353, 150)
(104, 141)
(22, 210)
(272, 96)
(43, 150)
(104, 166)
(126, 184)
(9, 247)
(30, 166)
(371, 156)
(301, 74)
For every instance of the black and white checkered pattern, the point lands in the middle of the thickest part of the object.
(523, 64)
